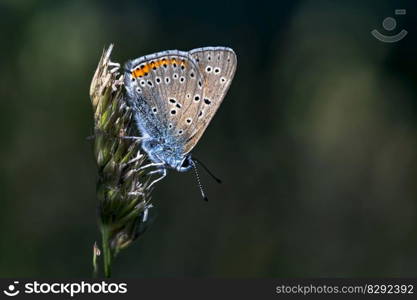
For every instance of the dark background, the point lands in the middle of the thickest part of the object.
(315, 141)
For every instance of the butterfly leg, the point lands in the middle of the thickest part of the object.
(145, 167)
(115, 66)
(117, 83)
(158, 171)
(151, 165)
(164, 173)
(138, 156)
(132, 137)
(146, 212)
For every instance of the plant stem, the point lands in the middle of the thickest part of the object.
(107, 256)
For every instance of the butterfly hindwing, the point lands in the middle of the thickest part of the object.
(217, 66)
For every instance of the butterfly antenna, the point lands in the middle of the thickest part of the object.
(208, 171)
(198, 181)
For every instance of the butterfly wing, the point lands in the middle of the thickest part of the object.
(217, 66)
(160, 87)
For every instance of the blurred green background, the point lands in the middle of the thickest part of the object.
(315, 141)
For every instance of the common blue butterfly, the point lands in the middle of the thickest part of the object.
(174, 95)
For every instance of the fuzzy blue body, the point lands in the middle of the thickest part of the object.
(156, 138)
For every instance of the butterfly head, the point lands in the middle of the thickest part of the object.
(186, 164)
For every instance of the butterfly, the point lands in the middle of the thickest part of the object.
(174, 96)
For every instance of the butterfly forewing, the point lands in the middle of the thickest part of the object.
(162, 85)
(217, 66)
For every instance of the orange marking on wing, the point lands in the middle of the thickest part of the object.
(145, 68)
(137, 73)
(156, 64)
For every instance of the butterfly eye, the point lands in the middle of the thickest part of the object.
(186, 164)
